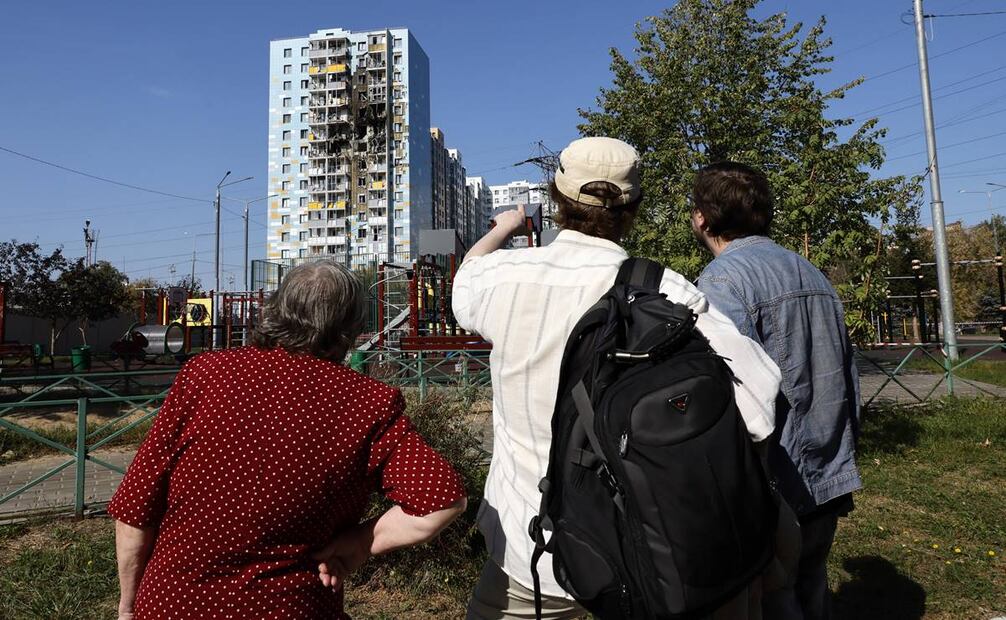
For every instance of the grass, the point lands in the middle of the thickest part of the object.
(985, 371)
(931, 515)
(933, 484)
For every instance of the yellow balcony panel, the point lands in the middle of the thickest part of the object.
(340, 204)
(314, 205)
(331, 205)
(377, 185)
(336, 68)
(376, 47)
(313, 70)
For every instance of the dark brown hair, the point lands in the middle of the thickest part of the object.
(318, 310)
(611, 223)
(734, 199)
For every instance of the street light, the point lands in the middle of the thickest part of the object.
(216, 262)
(992, 214)
(248, 203)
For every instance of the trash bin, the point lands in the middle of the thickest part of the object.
(80, 358)
(356, 361)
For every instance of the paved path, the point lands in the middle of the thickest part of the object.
(58, 491)
(101, 483)
(920, 383)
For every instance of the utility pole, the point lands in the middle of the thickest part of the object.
(939, 221)
(88, 244)
(216, 261)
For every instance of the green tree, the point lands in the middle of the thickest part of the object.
(28, 273)
(710, 82)
(94, 293)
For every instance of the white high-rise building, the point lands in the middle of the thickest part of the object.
(349, 146)
(533, 195)
(482, 206)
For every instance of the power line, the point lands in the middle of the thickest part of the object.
(947, 146)
(934, 56)
(918, 99)
(99, 178)
(951, 123)
(965, 14)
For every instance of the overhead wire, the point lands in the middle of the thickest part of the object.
(98, 178)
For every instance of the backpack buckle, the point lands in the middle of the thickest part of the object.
(608, 480)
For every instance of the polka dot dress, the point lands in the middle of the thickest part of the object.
(257, 458)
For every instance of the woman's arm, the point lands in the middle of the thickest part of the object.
(133, 546)
(394, 529)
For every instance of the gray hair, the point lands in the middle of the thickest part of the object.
(318, 309)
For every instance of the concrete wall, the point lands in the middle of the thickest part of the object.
(33, 330)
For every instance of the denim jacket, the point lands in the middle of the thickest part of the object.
(778, 298)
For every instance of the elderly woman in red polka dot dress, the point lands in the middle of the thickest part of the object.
(246, 498)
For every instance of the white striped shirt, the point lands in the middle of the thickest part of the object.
(526, 303)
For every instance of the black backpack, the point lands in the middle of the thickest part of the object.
(657, 503)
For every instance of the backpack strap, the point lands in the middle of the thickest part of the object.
(640, 273)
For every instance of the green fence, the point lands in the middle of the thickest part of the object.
(950, 375)
(141, 392)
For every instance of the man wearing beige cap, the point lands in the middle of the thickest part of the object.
(526, 302)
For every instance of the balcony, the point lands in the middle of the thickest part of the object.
(374, 48)
(377, 185)
(337, 68)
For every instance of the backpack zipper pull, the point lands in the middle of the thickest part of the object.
(623, 445)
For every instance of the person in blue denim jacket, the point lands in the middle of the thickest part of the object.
(779, 299)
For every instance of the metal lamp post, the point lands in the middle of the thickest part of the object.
(247, 204)
(216, 262)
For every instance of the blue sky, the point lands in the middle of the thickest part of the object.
(170, 95)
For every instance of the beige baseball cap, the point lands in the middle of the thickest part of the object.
(598, 159)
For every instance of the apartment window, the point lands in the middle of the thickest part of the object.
(287, 102)
(288, 52)
(398, 59)
(332, 215)
(398, 144)
(286, 85)
(303, 218)
(286, 203)
(398, 231)
(361, 46)
(303, 134)
(303, 68)
(398, 126)
(303, 202)
(286, 118)
(398, 109)
(302, 253)
(304, 51)
(303, 168)
(303, 117)
(286, 151)
(303, 100)
(373, 40)
(362, 199)
(398, 41)
(285, 254)
(303, 151)
(303, 235)
(285, 237)
(286, 134)
(399, 196)
(362, 233)
(303, 184)
(304, 83)
(286, 185)
(287, 69)
(398, 76)
(284, 220)
(398, 179)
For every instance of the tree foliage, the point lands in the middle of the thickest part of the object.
(30, 275)
(709, 82)
(94, 293)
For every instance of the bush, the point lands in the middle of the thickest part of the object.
(450, 565)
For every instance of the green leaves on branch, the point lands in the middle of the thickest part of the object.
(710, 82)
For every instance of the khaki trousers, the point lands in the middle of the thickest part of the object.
(498, 597)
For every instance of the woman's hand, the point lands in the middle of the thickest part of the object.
(344, 555)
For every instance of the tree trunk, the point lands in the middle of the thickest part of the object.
(82, 328)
